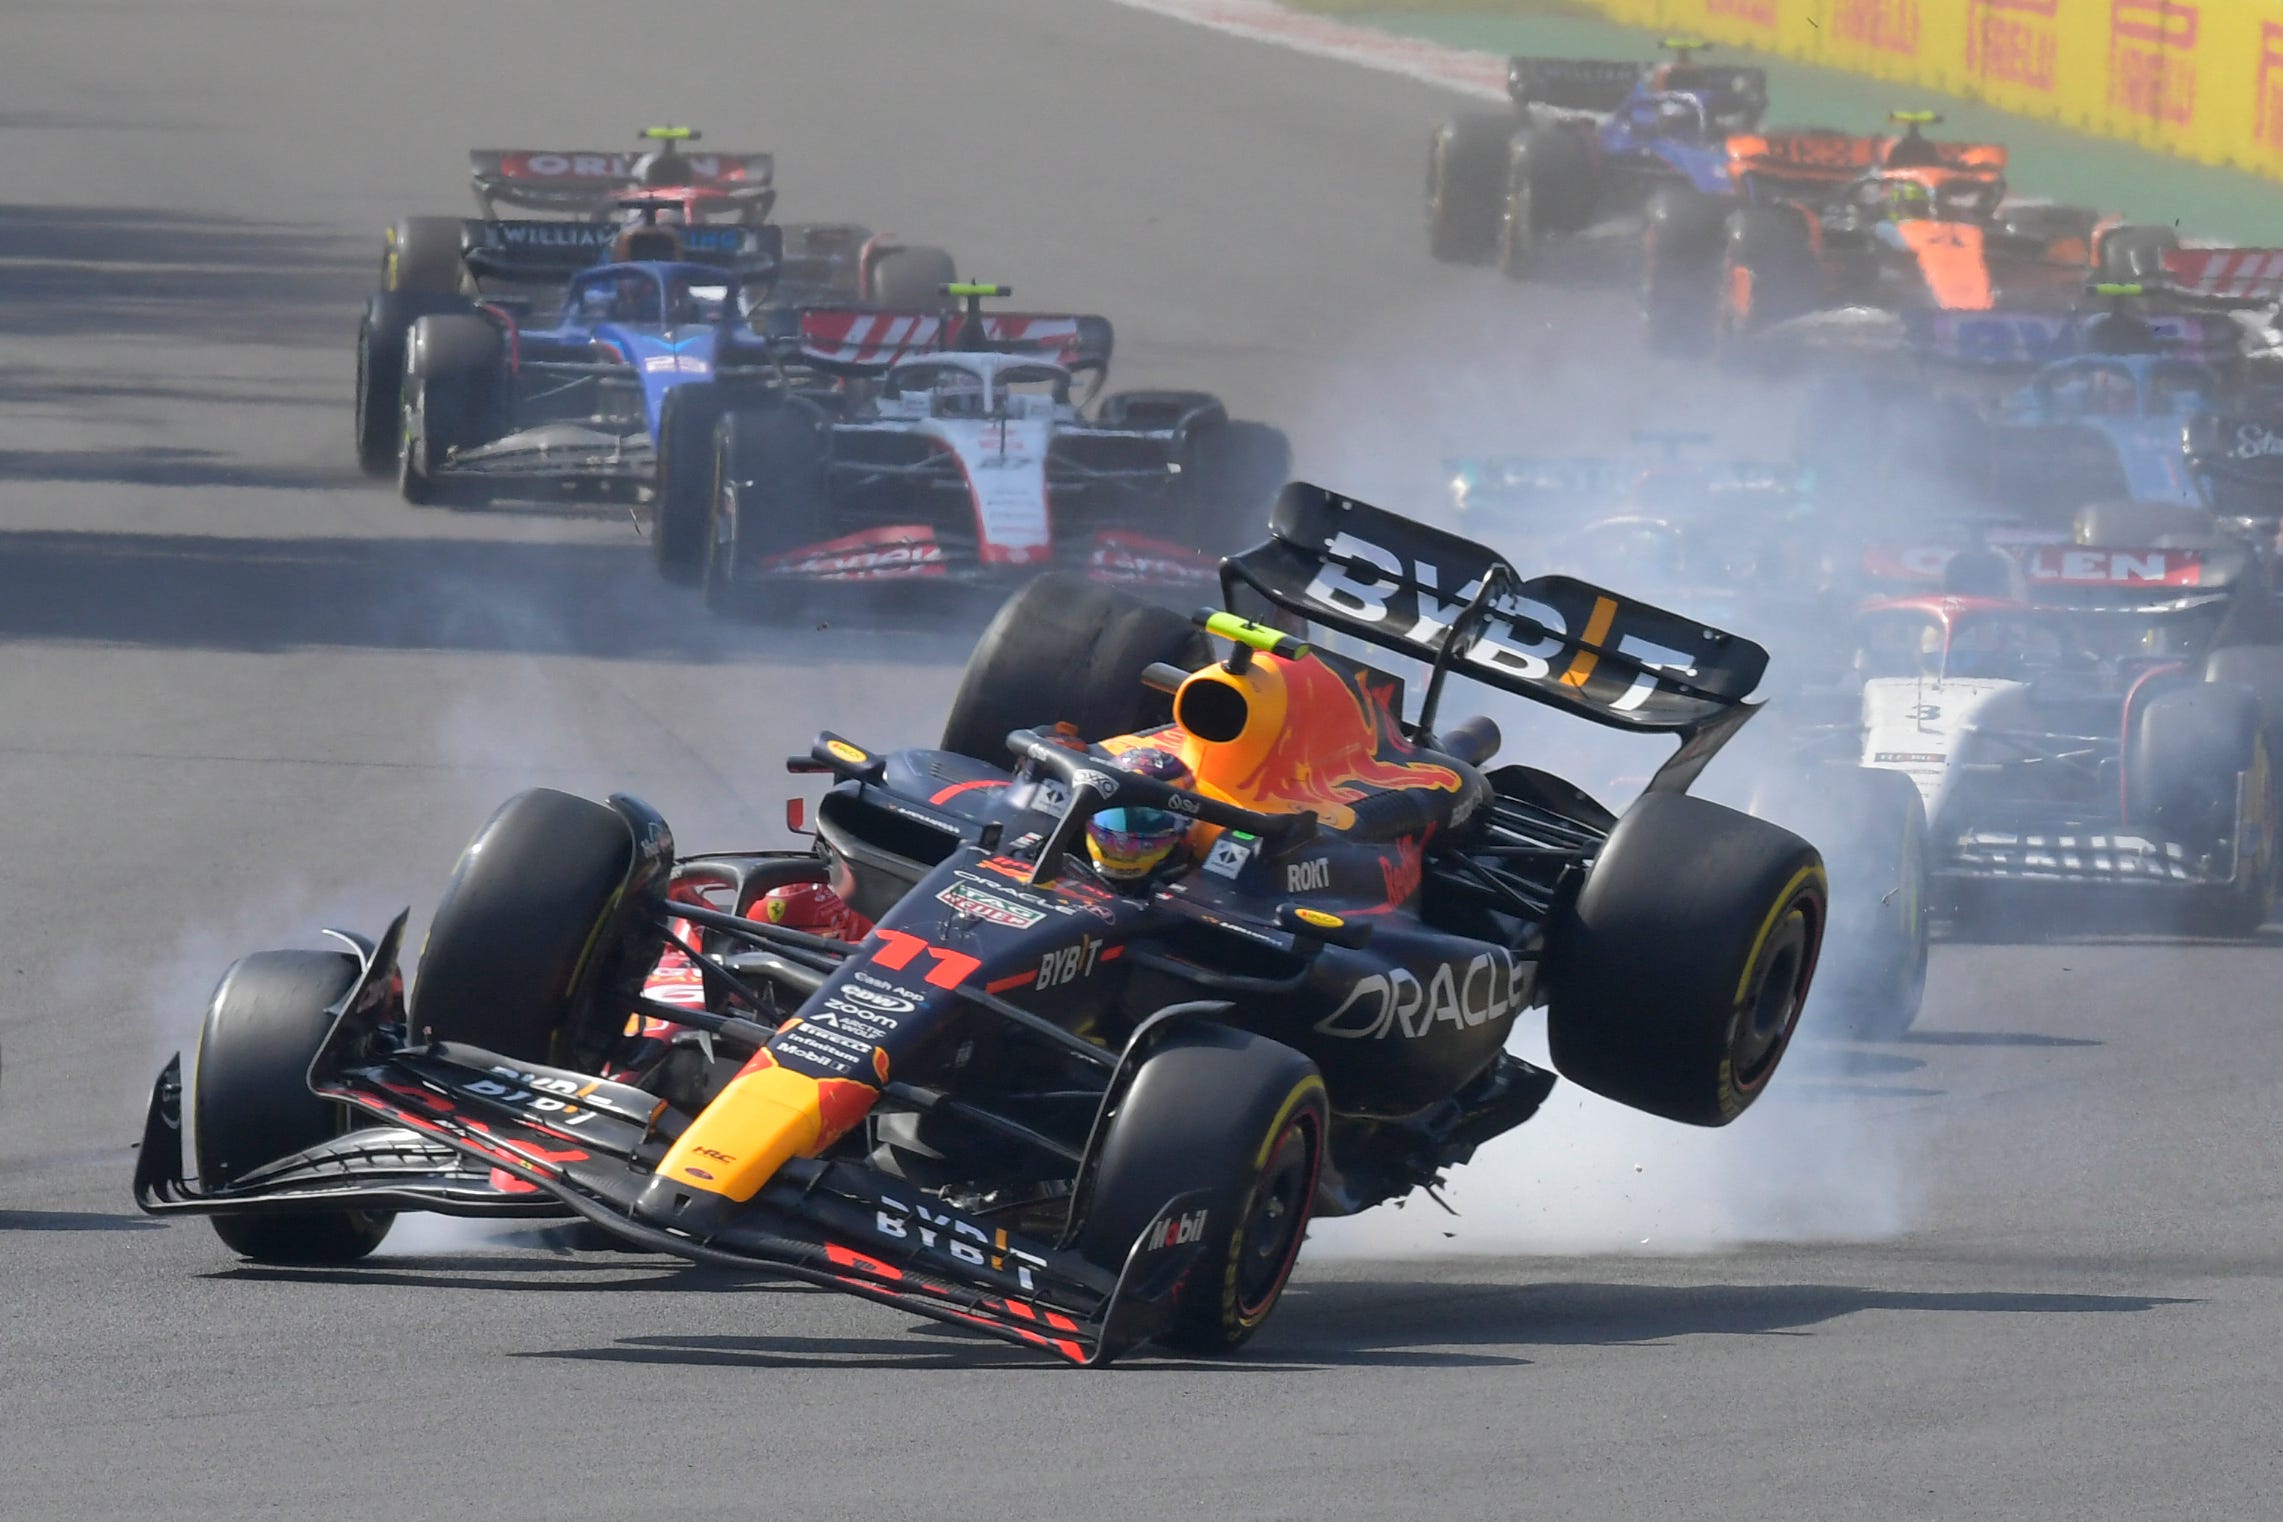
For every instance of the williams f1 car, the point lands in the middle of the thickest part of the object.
(966, 447)
(1006, 1086)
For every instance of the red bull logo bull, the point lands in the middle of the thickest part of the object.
(1298, 734)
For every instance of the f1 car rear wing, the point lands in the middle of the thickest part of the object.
(1451, 603)
(573, 179)
(2084, 577)
(867, 340)
(2248, 275)
(545, 249)
(1525, 481)
(1812, 155)
(1599, 86)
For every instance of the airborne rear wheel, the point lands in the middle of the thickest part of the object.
(1677, 981)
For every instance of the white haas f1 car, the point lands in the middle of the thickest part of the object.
(967, 446)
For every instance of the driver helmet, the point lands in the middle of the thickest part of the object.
(664, 169)
(1670, 115)
(634, 299)
(1129, 844)
(1907, 200)
(811, 907)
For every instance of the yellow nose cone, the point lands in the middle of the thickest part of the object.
(766, 1117)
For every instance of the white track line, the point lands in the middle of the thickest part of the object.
(1477, 74)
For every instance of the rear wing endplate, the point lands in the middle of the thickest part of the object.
(1446, 601)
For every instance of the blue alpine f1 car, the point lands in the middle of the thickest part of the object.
(472, 395)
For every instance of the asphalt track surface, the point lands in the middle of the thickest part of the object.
(247, 693)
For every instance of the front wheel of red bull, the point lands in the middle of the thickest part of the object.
(1242, 1119)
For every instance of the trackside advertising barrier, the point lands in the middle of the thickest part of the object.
(2202, 79)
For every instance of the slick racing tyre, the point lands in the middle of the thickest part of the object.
(682, 505)
(552, 921)
(422, 254)
(1547, 185)
(911, 278)
(1066, 649)
(250, 1102)
(1676, 981)
(1768, 272)
(381, 335)
(451, 392)
(1680, 267)
(769, 496)
(2188, 755)
(1231, 472)
(1242, 1118)
(1870, 828)
(1466, 160)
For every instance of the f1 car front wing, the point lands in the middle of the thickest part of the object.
(470, 1132)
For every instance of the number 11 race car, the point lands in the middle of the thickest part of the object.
(980, 1057)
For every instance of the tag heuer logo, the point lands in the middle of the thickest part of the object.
(964, 898)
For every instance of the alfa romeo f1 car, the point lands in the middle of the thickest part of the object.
(1007, 1089)
(567, 189)
(965, 447)
(2078, 714)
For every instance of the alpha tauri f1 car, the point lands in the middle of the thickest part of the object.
(999, 1083)
(2101, 714)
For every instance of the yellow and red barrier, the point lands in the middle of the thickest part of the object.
(2202, 79)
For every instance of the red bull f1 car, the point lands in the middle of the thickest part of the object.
(1010, 1081)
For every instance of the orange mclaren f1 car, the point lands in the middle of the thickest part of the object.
(1923, 232)
(1021, 1076)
